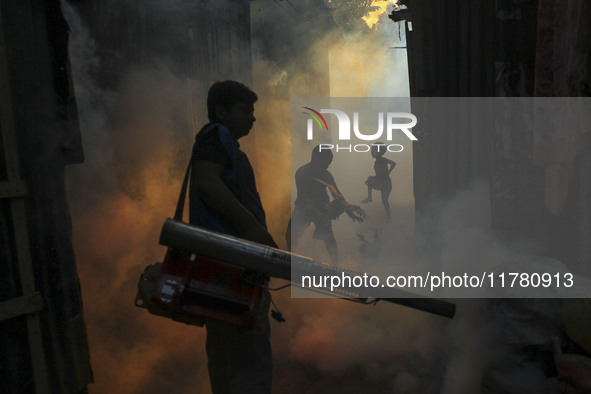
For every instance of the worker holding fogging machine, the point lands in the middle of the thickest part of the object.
(223, 197)
(216, 269)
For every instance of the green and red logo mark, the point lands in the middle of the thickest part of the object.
(317, 117)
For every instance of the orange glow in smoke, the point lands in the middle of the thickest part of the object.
(381, 7)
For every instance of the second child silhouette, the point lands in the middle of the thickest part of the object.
(381, 180)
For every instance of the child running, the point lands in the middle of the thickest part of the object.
(381, 180)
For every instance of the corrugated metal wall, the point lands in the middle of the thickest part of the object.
(448, 57)
(463, 48)
(43, 337)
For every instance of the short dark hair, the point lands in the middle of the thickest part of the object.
(227, 93)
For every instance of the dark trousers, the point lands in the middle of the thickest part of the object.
(239, 361)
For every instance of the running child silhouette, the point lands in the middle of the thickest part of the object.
(381, 180)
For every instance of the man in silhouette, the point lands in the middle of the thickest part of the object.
(313, 203)
(224, 198)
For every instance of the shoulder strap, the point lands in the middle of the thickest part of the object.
(178, 213)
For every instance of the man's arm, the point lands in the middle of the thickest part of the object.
(353, 211)
(391, 163)
(336, 193)
(218, 197)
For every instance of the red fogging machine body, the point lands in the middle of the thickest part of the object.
(194, 289)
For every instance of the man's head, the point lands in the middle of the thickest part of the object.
(321, 157)
(232, 104)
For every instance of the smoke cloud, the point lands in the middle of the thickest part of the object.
(137, 141)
